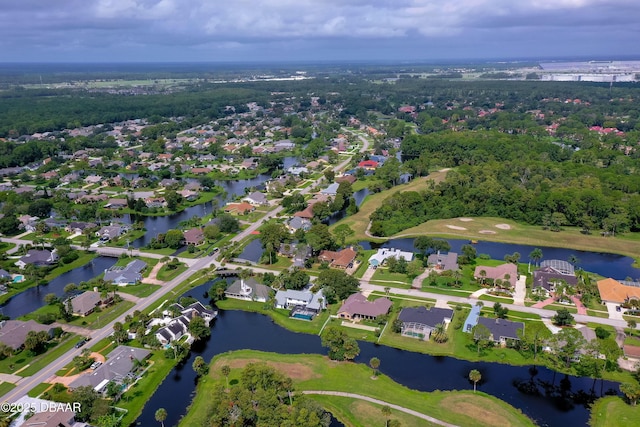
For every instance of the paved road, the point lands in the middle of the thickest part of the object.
(380, 402)
(28, 383)
(274, 212)
(464, 300)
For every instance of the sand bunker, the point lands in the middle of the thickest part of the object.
(503, 226)
(466, 219)
(487, 232)
(455, 227)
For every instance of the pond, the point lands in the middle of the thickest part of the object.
(550, 399)
(232, 188)
(604, 264)
(33, 298)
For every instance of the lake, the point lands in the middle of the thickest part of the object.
(549, 398)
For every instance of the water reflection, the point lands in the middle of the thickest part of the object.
(549, 398)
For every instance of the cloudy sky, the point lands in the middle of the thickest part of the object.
(302, 30)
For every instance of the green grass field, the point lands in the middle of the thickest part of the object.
(612, 411)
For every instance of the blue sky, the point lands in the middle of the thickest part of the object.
(302, 30)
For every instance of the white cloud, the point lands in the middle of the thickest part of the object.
(191, 23)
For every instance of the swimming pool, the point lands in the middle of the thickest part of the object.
(302, 316)
(18, 279)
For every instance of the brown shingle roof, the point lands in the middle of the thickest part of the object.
(357, 304)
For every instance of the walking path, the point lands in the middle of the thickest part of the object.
(477, 293)
(381, 402)
(542, 304)
(358, 326)
(581, 308)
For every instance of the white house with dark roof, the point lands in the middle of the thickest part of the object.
(248, 290)
(306, 300)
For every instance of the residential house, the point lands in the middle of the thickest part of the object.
(38, 257)
(342, 259)
(562, 267)
(368, 164)
(502, 331)
(197, 309)
(85, 303)
(419, 322)
(79, 227)
(52, 418)
(93, 179)
(382, 254)
(174, 330)
(618, 292)
(256, 199)
(297, 170)
(331, 190)
(189, 195)
(14, 332)
(119, 364)
(249, 290)
(4, 274)
(506, 272)
(346, 178)
(92, 198)
(283, 145)
(200, 171)
(194, 236)
(116, 203)
(127, 275)
(155, 202)
(548, 278)
(306, 213)
(443, 262)
(28, 222)
(357, 307)
(239, 208)
(300, 300)
(250, 163)
(297, 223)
(110, 232)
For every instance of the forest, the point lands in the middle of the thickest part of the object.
(521, 178)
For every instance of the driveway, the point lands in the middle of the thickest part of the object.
(521, 290)
(613, 313)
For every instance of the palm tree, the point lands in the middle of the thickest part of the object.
(386, 290)
(475, 376)
(386, 411)
(226, 370)
(457, 275)
(506, 280)
(375, 364)
(483, 276)
(161, 415)
(536, 255)
(440, 333)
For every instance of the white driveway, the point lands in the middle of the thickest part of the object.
(613, 313)
(521, 290)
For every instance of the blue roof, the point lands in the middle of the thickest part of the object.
(472, 318)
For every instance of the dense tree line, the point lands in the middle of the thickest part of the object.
(517, 177)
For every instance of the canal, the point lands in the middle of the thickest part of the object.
(549, 398)
(33, 298)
